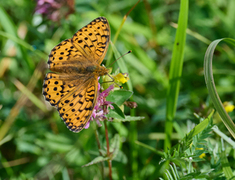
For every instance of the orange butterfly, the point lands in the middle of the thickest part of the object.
(72, 86)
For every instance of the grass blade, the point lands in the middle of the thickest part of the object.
(208, 72)
(176, 71)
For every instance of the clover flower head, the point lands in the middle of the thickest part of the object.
(55, 9)
(101, 107)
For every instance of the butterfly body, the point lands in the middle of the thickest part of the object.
(71, 69)
(73, 85)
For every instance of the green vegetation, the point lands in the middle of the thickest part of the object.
(185, 98)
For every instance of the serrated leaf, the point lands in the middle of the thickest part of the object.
(96, 160)
(129, 118)
(121, 157)
(115, 145)
(197, 175)
(119, 96)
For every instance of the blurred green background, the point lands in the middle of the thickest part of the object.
(36, 144)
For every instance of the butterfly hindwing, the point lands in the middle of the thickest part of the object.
(74, 98)
(57, 86)
(76, 108)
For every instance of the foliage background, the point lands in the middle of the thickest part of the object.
(38, 145)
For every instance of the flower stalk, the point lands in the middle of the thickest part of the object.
(108, 152)
(99, 147)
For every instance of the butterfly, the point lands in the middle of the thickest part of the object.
(73, 85)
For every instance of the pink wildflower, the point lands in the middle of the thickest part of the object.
(55, 9)
(101, 107)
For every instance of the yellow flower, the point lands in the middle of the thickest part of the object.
(202, 155)
(228, 106)
(121, 77)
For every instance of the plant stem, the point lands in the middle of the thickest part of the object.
(108, 153)
(99, 147)
(133, 148)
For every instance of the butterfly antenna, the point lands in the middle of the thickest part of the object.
(112, 64)
(120, 57)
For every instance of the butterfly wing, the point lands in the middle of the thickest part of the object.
(64, 56)
(88, 46)
(93, 39)
(74, 98)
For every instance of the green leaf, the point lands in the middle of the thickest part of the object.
(129, 118)
(96, 160)
(226, 167)
(149, 148)
(115, 113)
(202, 125)
(208, 71)
(121, 157)
(120, 128)
(121, 64)
(176, 67)
(34, 99)
(24, 146)
(119, 96)
(118, 110)
(191, 139)
(114, 147)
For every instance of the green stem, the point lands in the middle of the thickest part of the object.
(108, 153)
(99, 147)
(133, 147)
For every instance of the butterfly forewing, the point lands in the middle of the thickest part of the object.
(63, 55)
(73, 90)
(93, 39)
